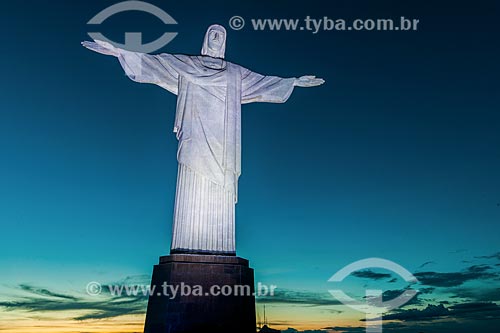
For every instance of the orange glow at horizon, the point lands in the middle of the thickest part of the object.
(279, 317)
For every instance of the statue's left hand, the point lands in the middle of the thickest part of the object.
(308, 81)
(102, 47)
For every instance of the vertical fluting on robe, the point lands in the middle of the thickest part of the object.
(203, 215)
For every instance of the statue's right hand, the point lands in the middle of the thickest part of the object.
(102, 47)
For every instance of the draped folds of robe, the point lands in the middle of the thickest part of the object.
(209, 92)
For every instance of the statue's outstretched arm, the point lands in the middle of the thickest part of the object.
(142, 67)
(256, 87)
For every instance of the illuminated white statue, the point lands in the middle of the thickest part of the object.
(210, 91)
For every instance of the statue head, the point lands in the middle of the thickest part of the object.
(214, 44)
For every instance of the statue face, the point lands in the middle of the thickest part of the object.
(214, 42)
(216, 39)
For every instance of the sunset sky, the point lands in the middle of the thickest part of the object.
(396, 156)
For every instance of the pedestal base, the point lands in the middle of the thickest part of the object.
(214, 294)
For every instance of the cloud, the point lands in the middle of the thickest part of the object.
(492, 256)
(299, 297)
(441, 325)
(435, 279)
(478, 294)
(392, 294)
(293, 330)
(473, 310)
(334, 311)
(431, 311)
(45, 292)
(369, 274)
(98, 307)
(347, 329)
(426, 264)
(114, 309)
(362, 329)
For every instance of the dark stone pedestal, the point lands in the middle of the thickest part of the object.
(201, 310)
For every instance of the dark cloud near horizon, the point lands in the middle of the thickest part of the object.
(45, 292)
(416, 300)
(369, 274)
(293, 330)
(492, 256)
(477, 294)
(99, 309)
(426, 264)
(346, 329)
(455, 279)
(103, 306)
(107, 306)
(299, 297)
(473, 310)
(354, 329)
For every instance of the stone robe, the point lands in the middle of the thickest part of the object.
(209, 92)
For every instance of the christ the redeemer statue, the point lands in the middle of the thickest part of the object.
(210, 91)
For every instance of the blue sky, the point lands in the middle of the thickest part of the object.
(396, 156)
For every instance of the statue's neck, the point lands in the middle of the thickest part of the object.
(212, 62)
